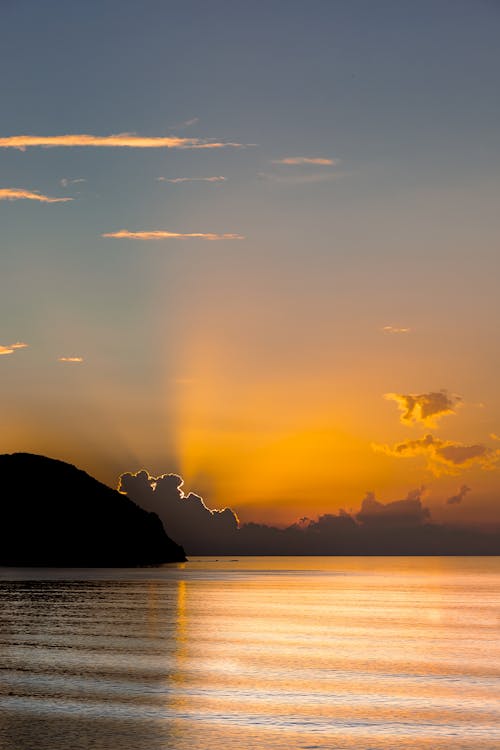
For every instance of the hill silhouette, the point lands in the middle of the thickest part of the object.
(53, 514)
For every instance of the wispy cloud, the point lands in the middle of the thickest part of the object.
(175, 180)
(186, 123)
(301, 179)
(298, 161)
(11, 348)
(120, 140)
(444, 456)
(66, 181)
(424, 408)
(71, 360)
(18, 194)
(124, 234)
(395, 329)
(457, 499)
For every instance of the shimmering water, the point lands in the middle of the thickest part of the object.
(267, 653)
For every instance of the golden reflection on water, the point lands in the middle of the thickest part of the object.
(275, 653)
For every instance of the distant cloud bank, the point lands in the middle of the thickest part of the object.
(71, 360)
(402, 527)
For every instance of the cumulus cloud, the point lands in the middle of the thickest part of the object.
(456, 499)
(395, 329)
(424, 408)
(305, 160)
(409, 511)
(444, 456)
(120, 140)
(17, 194)
(71, 360)
(185, 516)
(163, 235)
(176, 180)
(401, 527)
(11, 348)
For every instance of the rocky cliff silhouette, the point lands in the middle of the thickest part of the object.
(53, 514)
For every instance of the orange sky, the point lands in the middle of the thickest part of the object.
(219, 263)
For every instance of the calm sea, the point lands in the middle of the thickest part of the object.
(267, 653)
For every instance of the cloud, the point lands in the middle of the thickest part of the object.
(66, 181)
(175, 180)
(400, 527)
(395, 329)
(11, 348)
(186, 516)
(72, 360)
(162, 235)
(120, 140)
(17, 194)
(444, 456)
(409, 511)
(456, 499)
(424, 408)
(304, 160)
(186, 123)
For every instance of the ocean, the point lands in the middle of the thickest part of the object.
(253, 653)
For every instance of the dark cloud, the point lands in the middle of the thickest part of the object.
(456, 499)
(407, 512)
(186, 516)
(399, 527)
(444, 456)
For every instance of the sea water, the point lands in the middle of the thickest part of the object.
(268, 653)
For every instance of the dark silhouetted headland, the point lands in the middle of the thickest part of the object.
(53, 514)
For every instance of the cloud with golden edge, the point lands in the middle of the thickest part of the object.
(71, 360)
(18, 194)
(124, 234)
(298, 161)
(444, 456)
(176, 180)
(395, 329)
(11, 348)
(424, 408)
(120, 140)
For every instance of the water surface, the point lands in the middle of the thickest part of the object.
(268, 653)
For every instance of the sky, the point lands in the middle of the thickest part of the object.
(256, 245)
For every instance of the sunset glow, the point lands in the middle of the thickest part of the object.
(273, 274)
